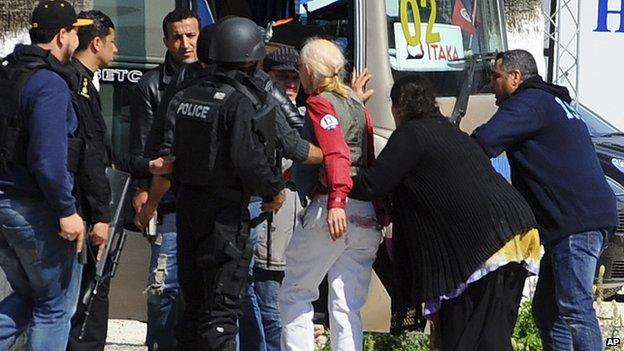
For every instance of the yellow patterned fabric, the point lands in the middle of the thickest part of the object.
(523, 248)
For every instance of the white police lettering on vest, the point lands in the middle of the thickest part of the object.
(192, 110)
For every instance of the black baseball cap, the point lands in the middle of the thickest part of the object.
(284, 58)
(56, 14)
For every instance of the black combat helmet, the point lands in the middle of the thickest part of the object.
(237, 40)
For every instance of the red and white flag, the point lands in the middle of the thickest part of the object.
(462, 18)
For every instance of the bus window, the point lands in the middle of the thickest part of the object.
(139, 40)
(425, 39)
(138, 24)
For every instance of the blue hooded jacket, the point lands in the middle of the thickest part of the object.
(552, 158)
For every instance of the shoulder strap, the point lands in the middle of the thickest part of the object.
(224, 79)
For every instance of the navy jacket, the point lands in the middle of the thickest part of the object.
(553, 161)
(46, 100)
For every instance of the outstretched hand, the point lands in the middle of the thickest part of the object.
(358, 84)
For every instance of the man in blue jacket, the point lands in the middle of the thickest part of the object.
(554, 165)
(40, 230)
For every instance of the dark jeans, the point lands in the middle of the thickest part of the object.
(484, 316)
(213, 264)
(563, 302)
(44, 274)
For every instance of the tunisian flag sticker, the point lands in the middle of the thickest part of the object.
(329, 122)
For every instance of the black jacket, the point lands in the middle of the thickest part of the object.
(91, 183)
(451, 210)
(148, 94)
(183, 78)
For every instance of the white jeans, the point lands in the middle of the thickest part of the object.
(348, 262)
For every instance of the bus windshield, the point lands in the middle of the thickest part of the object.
(427, 36)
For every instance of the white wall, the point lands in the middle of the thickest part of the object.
(600, 61)
(601, 74)
(8, 42)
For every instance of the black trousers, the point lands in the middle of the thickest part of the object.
(213, 265)
(484, 316)
(97, 326)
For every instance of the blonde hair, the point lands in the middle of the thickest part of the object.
(326, 62)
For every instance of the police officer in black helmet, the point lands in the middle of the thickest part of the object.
(224, 138)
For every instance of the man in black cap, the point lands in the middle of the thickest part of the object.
(38, 218)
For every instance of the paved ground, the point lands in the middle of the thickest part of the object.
(125, 335)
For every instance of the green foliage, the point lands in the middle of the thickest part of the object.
(405, 342)
(387, 342)
(526, 336)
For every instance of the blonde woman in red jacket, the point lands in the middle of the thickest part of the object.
(336, 236)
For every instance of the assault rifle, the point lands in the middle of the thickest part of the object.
(119, 183)
(461, 103)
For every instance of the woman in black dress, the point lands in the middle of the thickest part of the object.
(463, 237)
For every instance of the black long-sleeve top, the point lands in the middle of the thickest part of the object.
(451, 210)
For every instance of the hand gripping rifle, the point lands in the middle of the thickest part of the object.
(461, 103)
(119, 183)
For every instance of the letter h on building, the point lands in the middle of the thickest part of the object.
(604, 12)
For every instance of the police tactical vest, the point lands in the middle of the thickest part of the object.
(13, 133)
(200, 125)
(15, 70)
(198, 119)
